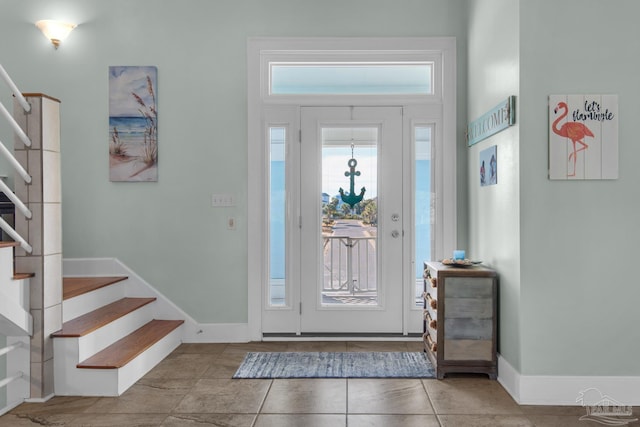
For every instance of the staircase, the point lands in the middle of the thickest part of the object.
(108, 335)
(108, 340)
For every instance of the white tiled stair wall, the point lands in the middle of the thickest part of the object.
(43, 232)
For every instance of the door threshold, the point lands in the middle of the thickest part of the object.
(342, 336)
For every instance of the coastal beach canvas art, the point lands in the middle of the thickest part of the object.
(133, 123)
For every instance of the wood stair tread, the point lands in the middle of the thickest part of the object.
(19, 276)
(128, 348)
(93, 320)
(8, 244)
(75, 286)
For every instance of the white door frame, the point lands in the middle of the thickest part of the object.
(443, 100)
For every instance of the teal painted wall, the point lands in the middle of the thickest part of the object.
(494, 221)
(167, 232)
(568, 294)
(579, 290)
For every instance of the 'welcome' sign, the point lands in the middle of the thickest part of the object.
(498, 118)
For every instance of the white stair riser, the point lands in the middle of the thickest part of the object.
(6, 265)
(72, 381)
(14, 319)
(83, 304)
(103, 337)
(17, 291)
(138, 367)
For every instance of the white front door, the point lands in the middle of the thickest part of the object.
(351, 220)
(334, 268)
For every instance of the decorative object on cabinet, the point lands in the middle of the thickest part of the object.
(460, 262)
(458, 254)
(460, 318)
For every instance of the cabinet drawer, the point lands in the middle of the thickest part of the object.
(468, 350)
(469, 287)
(430, 300)
(432, 285)
(429, 343)
(469, 329)
(432, 322)
(481, 308)
(430, 279)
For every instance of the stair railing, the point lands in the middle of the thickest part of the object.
(12, 160)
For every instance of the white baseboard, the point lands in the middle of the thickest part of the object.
(217, 332)
(509, 378)
(565, 390)
(193, 332)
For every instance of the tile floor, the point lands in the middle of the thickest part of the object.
(193, 387)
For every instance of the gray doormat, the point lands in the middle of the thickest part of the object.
(335, 365)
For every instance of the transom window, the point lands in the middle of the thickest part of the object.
(351, 78)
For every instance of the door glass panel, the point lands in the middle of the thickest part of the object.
(349, 233)
(422, 201)
(277, 217)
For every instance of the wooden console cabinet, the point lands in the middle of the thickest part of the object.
(460, 319)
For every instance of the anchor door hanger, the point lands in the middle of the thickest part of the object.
(351, 198)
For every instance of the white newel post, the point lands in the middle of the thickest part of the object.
(43, 231)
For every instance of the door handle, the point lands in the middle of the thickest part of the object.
(395, 234)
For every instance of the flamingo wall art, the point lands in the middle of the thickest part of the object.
(583, 137)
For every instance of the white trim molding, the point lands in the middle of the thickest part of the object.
(192, 332)
(564, 390)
